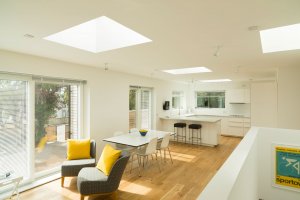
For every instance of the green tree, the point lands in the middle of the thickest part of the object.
(49, 98)
(132, 99)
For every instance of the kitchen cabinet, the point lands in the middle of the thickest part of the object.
(238, 96)
(236, 126)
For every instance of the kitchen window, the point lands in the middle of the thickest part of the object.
(177, 99)
(206, 99)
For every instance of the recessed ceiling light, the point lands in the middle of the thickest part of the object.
(280, 39)
(190, 70)
(98, 35)
(216, 81)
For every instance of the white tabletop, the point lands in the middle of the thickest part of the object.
(135, 139)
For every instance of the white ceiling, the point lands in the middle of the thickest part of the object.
(184, 34)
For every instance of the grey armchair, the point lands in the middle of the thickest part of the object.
(71, 168)
(92, 181)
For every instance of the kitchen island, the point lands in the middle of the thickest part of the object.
(210, 131)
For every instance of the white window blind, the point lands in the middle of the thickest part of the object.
(14, 127)
(145, 108)
(74, 114)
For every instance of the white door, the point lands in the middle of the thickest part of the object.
(140, 107)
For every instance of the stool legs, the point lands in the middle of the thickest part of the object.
(198, 136)
(182, 135)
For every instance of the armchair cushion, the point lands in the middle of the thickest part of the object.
(93, 181)
(78, 149)
(108, 158)
(72, 167)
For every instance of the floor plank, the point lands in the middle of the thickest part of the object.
(193, 168)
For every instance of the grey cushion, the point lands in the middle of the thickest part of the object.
(72, 167)
(93, 181)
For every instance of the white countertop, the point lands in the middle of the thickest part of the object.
(193, 118)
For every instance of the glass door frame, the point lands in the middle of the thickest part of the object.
(138, 100)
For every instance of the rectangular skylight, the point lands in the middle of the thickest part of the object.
(98, 35)
(280, 39)
(190, 70)
(216, 81)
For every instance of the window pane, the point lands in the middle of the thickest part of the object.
(210, 99)
(14, 127)
(175, 102)
(177, 99)
(145, 109)
(132, 108)
(56, 119)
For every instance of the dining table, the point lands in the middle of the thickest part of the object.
(135, 139)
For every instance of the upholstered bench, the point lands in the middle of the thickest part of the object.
(92, 181)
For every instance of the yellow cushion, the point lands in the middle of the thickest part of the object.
(78, 149)
(108, 158)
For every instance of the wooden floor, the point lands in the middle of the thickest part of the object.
(192, 169)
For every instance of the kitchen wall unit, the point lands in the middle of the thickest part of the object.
(238, 96)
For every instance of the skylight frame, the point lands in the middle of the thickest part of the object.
(189, 70)
(284, 38)
(216, 80)
(98, 35)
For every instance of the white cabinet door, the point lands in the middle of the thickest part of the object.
(224, 125)
(236, 131)
(239, 96)
(238, 126)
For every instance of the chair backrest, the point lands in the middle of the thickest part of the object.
(93, 149)
(117, 171)
(151, 146)
(165, 141)
(133, 130)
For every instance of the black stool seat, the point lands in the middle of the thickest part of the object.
(195, 126)
(180, 125)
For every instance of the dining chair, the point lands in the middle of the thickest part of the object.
(149, 149)
(164, 145)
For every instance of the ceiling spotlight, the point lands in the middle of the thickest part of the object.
(105, 66)
(29, 36)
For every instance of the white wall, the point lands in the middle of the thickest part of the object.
(106, 101)
(264, 104)
(248, 173)
(243, 109)
(289, 97)
(237, 178)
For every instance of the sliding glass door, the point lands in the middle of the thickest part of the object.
(140, 107)
(37, 116)
(56, 120)
(14, 137)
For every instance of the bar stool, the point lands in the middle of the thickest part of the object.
(177, 127)
(197, 128)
